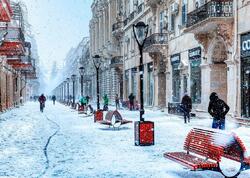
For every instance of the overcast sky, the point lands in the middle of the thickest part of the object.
(57, 26)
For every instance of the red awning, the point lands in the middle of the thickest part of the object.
(10, 48)
(5, 11)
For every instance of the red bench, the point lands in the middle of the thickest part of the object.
(114, 119)
(213, 150)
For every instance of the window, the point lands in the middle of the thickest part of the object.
(172, 22)
(184, 12)
(161, 21)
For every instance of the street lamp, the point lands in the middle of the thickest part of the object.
(140, 33)
(144, 130)
(98, 115)
(73, 78)
(81, 71)
(97, 64)
(68, 80)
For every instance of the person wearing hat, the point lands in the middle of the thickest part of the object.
(218, 109)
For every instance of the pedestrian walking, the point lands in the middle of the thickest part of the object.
(217, 109)
(53, 99)
(131, 98)
(42, 100)
(117, 102)
(186, 106)
(105, 102)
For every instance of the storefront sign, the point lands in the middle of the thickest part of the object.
(245, 45)
(175, 59)
(195, 56)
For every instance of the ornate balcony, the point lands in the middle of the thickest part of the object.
(116, 62)
(117, 29)
(156, 43)
(111, 50)
(13, 42)
(153, 3)
(207, 17)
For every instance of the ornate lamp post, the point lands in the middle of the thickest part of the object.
(144, 130)
(68, 80)
(81, 71)
(97, 63)
(73, 78)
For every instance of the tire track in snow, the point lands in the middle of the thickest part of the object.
(45, 149)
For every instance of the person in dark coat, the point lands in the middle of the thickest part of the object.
(42, 100)
(117, 102)
(218, 109)
(186, 106)
(53, 99)
(131, 98)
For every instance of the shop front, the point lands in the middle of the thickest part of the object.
(195, 74)
(176, 80)
(245, 75)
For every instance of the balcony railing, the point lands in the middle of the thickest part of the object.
(214, 8)
(156, 39)
(140, 8)
(131, 16)
(116, 26)
(125, 22)
(13, 34)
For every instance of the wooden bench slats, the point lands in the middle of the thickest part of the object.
(205, 148)
(190, 161)
(118, 119)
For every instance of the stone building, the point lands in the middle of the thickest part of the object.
(106, 41)
(16, 65)
(76, 58)
(193, 46)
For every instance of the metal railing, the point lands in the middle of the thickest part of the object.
(131, 16)
(214, 8)
(116, 26)
(140, 8)
(13, 34)
(125, 22)
(156, 39)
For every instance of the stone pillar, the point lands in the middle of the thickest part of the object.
(205, 83)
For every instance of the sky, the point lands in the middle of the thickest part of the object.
(58, 25)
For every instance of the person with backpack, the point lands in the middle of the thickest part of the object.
(105, 102)
(218, 109)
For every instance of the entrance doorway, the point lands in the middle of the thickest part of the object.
(219, 71)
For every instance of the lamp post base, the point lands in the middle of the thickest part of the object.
(98, 115)
(144, 133)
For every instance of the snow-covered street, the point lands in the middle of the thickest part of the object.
(62, 143)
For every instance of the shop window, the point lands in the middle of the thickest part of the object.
(176, 82)
(195, 76)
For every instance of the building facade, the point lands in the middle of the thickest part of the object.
(16, 65)
(193, 46)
